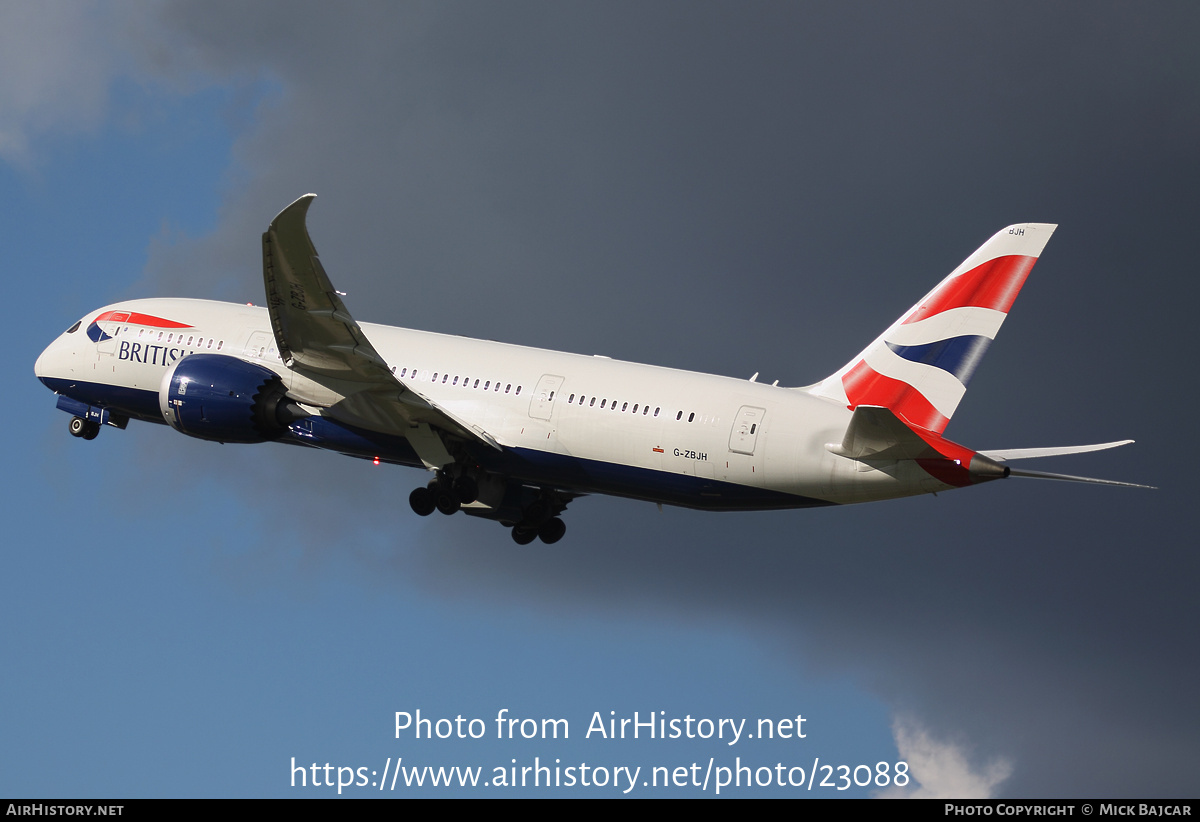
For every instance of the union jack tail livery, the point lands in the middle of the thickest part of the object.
(920, 366)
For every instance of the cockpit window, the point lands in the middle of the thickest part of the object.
(75, 327)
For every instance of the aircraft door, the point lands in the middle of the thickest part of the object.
(746, 426)
(111, 327)
(259, 344)
(741, 464)
(542, 404)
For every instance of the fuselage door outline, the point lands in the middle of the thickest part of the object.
(746, 425)
(542, 404)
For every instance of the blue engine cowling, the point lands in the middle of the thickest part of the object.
(224, 399)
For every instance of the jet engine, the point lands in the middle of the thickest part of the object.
(224, 399)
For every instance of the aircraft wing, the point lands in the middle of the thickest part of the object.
(318, 339)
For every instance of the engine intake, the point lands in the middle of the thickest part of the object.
(223, 399)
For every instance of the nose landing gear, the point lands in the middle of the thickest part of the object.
(85, 429)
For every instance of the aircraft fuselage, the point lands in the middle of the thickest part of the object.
(588, 423)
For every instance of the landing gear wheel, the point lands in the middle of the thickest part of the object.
(523, 534)
(422, 502)
(552, 531)
(79, 427)
(446, 500)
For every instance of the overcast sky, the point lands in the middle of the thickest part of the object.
(728, 188)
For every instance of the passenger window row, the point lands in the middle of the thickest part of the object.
(604, 403)
(170, 337)
(444, 378)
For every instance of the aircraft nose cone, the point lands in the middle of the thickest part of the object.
(51, 363)
(39, 366)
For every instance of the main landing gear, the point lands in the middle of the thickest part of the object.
(86, 429)
(549, 532)
(541, 521)
(530, 512)
(444, 494)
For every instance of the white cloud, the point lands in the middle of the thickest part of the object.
(939, 769)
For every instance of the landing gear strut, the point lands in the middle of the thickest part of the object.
(86, 429)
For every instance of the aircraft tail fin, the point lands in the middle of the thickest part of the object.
(919, 367)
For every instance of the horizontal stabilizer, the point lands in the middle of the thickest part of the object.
(1029, 453)
(1015, 472)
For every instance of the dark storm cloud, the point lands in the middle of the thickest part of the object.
(763, 187)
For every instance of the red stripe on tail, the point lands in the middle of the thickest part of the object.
(866, 386)
(994, 284)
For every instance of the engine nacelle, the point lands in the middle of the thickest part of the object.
(224, 399)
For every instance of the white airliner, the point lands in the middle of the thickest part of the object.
(514, 434)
